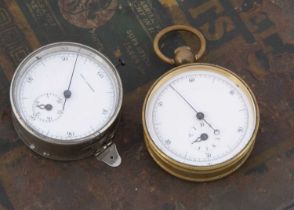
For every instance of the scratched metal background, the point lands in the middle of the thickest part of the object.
(254, 38)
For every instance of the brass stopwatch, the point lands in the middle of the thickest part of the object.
(200, 120)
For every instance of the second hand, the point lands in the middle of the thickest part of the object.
(67, 92)
(216, 131)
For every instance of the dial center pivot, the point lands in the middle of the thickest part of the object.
(48, 107)
(67, 94)
(203, 136)
(200, 116)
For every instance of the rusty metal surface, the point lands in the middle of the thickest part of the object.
(254, 38)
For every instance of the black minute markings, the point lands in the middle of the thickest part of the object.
(213, 145)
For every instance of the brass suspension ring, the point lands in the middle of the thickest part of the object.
(169, 29)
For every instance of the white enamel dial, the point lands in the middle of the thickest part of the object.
(200, 117)
(66, 92)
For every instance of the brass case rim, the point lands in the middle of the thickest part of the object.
(202, 176)
(181, 169)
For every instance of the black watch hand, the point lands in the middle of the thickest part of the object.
(197, 140)
(199, 115)
(202, 137)
(41, 106)
(67, 92)
(48, 107)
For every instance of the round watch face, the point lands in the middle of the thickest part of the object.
(200, 115)
(66, 92)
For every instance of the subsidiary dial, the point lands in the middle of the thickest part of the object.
(203, 139)
(47, 108)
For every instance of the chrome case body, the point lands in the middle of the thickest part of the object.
(98, 144)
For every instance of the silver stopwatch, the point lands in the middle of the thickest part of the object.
(66, 99)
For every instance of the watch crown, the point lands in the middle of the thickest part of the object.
(183, 55)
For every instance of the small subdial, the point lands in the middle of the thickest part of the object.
(47, 107)
(202, 137)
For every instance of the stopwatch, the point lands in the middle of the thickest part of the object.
(200, 120)
(66, 100)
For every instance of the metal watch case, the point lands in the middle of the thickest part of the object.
(98, 144)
